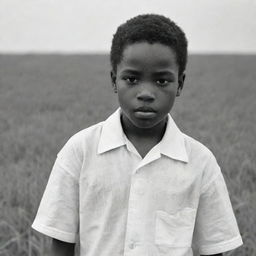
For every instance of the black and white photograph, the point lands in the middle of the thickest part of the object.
(127, 128)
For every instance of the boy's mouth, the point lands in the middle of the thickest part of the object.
(145, 109)
(145, 112)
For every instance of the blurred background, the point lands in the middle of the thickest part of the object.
(54, 81)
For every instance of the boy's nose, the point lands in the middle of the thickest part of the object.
(146, 95)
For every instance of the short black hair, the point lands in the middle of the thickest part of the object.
(151, 28)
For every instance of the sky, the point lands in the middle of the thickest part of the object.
(82, 26)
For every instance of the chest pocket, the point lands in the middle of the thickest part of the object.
(175, 230)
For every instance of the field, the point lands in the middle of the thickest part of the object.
(46, 99)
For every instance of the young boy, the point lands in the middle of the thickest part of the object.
(135, 184)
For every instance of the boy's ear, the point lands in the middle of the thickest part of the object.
(113, 80)
(181, 83)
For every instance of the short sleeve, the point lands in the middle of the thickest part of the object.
(58, 212)
(216, 229)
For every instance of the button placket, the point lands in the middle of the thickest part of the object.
(134, 218)
(136, 205)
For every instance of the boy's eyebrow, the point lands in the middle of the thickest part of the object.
(131, 71)
(166, 72)
(159, 73)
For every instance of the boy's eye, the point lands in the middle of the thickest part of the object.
(162, 82)
(131, 80)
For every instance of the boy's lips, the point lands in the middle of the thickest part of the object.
(145, 112)
(144, 109)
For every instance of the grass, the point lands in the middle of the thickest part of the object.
(46, 99)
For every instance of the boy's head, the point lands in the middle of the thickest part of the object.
(148, 56)
(151, 28)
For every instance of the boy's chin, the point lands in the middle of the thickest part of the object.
(146, 124)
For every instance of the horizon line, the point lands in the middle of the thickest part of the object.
(32, 52)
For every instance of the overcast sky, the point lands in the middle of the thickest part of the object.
(87, 26)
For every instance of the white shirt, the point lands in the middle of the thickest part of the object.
(102, 192)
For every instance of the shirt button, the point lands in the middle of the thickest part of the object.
(132, 245)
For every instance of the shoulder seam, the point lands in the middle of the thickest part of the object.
(65, 169)
(206, 186)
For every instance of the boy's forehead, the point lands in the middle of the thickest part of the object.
(144, 53)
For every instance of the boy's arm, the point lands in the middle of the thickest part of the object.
(60, 248)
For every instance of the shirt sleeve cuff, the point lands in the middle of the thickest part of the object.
(54, 233)
(221, 247)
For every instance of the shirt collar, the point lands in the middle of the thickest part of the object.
(173, 142)
(171, 145)
(112, 135)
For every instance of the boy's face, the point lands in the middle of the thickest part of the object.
(147, 81)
